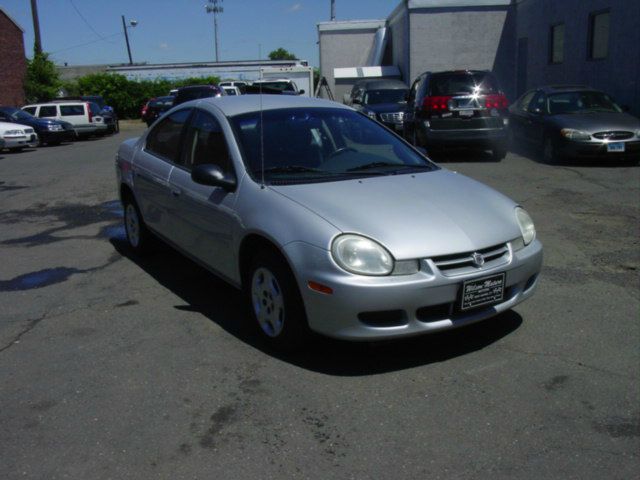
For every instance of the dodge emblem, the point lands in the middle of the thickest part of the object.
(478, 259)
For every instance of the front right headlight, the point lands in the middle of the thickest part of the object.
(361, 255)
(525, 222)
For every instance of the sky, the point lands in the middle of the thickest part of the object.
(85, 32)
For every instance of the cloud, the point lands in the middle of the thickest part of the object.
(164, 46)
(294, 8)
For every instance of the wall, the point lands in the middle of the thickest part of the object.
(13, 64)
(474, 38)
(399, 37)
(617, 75)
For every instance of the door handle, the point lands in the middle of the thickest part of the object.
(176, 192)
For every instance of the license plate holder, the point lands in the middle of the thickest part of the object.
(616, 147)
(483, 291)
(466, 113)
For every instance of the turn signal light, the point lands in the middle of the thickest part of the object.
(318, 287)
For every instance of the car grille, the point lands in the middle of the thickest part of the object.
(617, 135)
(28, 130)
(395, 117)
(459, 264)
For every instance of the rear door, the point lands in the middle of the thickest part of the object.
(537, 115)
(77, 115)
(202, 217)
(152, 166)
(519, 118)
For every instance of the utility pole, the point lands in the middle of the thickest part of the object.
(333, 10)
(37, 44)
(126, 37)
(214, 8)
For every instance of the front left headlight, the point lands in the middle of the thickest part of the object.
(361, 255)
(525, 222)
(371, 114)
(13, 133)
(576, 135)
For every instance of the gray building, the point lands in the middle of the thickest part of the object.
(527, 43)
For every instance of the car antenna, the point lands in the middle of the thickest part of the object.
(261, 120)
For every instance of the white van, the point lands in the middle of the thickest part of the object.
(84, 116)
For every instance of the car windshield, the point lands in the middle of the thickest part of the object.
(302, 145)
(581, 102)
(444, 84)
(19, 114)
(375, 97)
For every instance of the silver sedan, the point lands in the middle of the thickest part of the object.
(326, 220)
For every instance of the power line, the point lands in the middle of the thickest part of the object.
(86, 43)
(101, 37)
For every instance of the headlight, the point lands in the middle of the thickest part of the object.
(54, 127)
(526, 225)
(13, 133)
(361, 255)
(576, 135)
(638, 133)
(371, 114)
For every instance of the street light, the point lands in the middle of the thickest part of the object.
(132, 23)
(214, 8)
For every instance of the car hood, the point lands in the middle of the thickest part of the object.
(598, 121)
(385, 107)
(413, 215)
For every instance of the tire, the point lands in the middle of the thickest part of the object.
(137, 235)
(498, 153)
(16, 149)
(549, 152)
(274, 302)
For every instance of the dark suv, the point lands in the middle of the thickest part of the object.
(382, 100)
(457, 109)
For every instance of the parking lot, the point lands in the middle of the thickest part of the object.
(113, 366)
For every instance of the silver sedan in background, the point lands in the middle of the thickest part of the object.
(325, 219)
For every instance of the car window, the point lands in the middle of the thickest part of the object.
(538, 104)
(164, 138)
(303, 145)
(48, 111)
(525, 100)
(31, 110)
(205, 143)
(71, 110)
(581, 102)
(95, 108)
(463, 83)
(375, 97)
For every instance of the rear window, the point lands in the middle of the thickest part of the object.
(71, 110)
(463, 84)
(48, 111)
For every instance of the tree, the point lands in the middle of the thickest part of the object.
(42, 81)
(282, 54)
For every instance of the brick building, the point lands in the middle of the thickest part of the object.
(13, 64)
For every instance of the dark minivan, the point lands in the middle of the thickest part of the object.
(465, 108)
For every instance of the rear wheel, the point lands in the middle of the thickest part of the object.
(274, 301)
(138, 236)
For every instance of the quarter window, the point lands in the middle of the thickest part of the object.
(164, 139)
(48, 111)
(599, 35)
(205, 143)
(556, 50)
(71, 110)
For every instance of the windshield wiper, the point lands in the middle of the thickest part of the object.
(293, 169)
(368, 166)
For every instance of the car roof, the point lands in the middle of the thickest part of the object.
(237, 105)
(196, 87)
(382, 84)
(565, 88)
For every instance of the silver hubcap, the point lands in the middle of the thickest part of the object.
(268, 302)
(132, 225)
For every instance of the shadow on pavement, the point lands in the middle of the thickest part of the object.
(461, 155)
(534, 154)
(202, 292)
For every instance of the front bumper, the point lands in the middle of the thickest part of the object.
(29, 140)
(568, 148)
(426, 301)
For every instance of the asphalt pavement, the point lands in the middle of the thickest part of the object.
(116, 367)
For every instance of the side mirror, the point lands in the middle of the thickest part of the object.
(301, 92)
(346, 99)
(537, 111)
(212, 175)
(356, 101)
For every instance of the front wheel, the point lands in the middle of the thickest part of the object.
(275, 302)
(549, 152)
(138, 236)
(498, 153)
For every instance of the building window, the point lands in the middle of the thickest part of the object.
(599, 35)
(556, 50)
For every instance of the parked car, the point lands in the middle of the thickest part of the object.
(325, 219)
(81, 115)
(382, 100)
(107, 112)
(194, 92)
(155, 107)
(49, 131)
(282, 86)
(241, 84)
(16, 136)
(232, 90)
(574, 121)
(457, 108)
